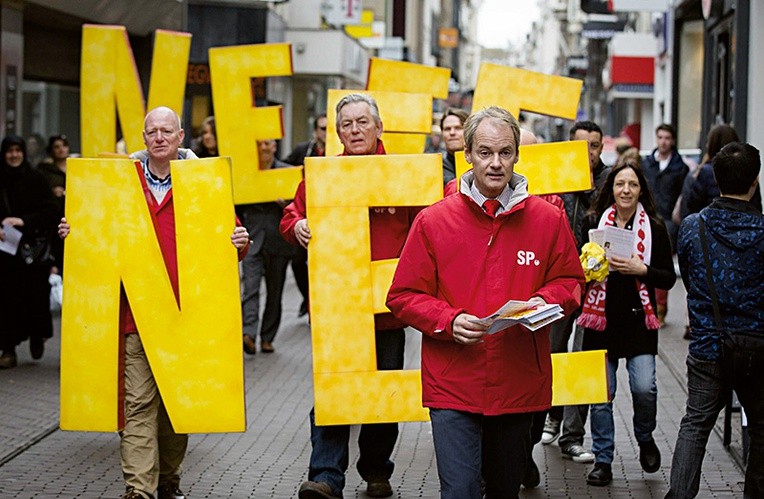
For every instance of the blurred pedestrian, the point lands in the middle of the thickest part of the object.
(482, 390)
(665, 171)
(268, 257)
(452, 128)
(703, 189)
(151, 451)
(207, 142)
(619, 313)
(35, 149)
(53, 167)
(27, 205)
(569, 422)
(315, 147)
(434, 143)
(359, 128)
(720, 257)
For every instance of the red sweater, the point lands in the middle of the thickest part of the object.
(163, 217)
(389, 228)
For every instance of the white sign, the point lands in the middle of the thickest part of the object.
(640, 5)
(341, 12)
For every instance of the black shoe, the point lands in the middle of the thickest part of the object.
(379, 487)
(601, 475)
(303, 308)
(649, 456)
(170, 491)
(532, 477)
(36, 347)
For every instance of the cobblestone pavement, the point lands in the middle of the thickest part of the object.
(270, 459)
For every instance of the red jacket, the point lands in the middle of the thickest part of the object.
(389, 228)
(458, 259)
(163, 217)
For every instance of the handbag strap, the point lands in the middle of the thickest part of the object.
(709, 275)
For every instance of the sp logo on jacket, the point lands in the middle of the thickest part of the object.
(527, 258)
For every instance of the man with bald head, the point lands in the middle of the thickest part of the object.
(150, 450)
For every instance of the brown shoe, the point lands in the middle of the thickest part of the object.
(249, 345)
(131, 493)
(8, 359)
(266, 347)
(379, 487)
(316, 490)
(170, 491)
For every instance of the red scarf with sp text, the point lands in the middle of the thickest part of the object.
(593, 313)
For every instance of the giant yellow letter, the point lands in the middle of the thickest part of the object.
(108, 75)
(550, 168)
(240, 124)
(194, 349)
(343, 283)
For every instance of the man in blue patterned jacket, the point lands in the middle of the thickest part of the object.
(727, 330)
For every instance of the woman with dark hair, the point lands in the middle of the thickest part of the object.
(207, 143)
(27, 205)
(703, 188)
(619, 313)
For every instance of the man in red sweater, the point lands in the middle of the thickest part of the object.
(151, 452)
(359, 127)
(465, 257)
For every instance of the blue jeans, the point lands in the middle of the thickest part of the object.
(470, 448)
(644, 394)
(329, 457)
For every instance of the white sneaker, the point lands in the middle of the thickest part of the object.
(577, 453)
(551, 431)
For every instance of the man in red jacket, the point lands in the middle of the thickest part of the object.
(151, 452)
(465, 257)
(359, 127)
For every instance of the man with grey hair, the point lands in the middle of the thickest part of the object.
(359, 128)
(465, 257)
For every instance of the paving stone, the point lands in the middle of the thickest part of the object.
(270, 459)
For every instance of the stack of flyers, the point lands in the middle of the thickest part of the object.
(527, 314)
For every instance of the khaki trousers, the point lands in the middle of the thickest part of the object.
(150, 450)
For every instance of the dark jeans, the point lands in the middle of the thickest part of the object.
(300, 271)
(329, 457)
(708, 385)
(470, 448)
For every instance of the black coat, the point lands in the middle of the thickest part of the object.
(25, 292)
(626, 334)
(666, 185)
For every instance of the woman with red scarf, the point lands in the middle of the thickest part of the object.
(619, 313)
